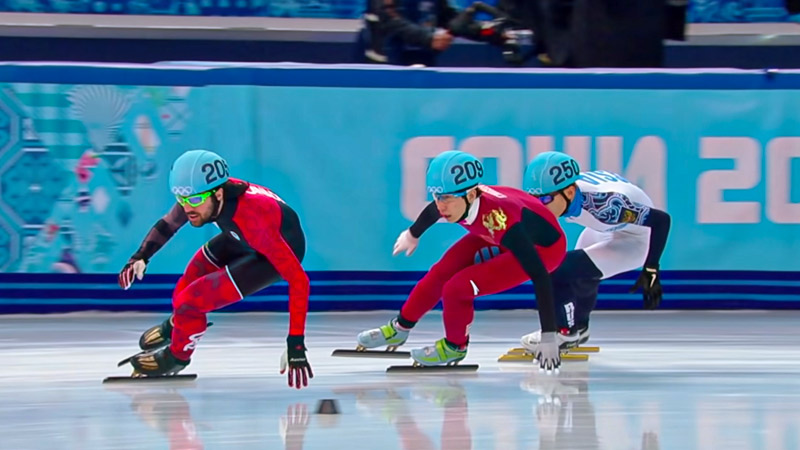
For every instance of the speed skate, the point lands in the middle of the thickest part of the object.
(138, 377)
(449, 367)
(520, 354)
(363, 352)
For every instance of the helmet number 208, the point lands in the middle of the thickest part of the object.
(215, 171)
(468, 171)
(566, 169)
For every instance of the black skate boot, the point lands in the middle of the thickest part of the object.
(157, 363)
(571, 338)
(567, 338)
(157, 336)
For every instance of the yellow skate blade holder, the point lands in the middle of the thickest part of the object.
(517, 350)
(527, 357)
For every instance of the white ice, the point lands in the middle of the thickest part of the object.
(662, 380)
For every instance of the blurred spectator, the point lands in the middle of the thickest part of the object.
(601, 33)
(405, 32)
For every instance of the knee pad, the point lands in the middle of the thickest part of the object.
(459, 290)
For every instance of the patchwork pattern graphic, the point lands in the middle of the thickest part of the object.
(69, 158)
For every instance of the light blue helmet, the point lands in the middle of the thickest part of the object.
(550, 172)
(197, 171)
(453, 172)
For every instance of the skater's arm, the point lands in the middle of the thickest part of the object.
(615, 208)
(517, 241)
(429, 216)
(160, 233)
(268, 241)
(659, 223)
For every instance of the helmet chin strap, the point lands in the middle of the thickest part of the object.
(573, 207)
(567, 200)
(217, 208)
(466, 210)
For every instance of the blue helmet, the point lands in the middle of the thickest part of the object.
(197, 171)
(550, 172)
(453, 172)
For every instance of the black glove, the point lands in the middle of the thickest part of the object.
(650, 283)
(295, 358)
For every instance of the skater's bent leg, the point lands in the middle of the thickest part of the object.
(428, 291)
(497, 275)
(570, 283)
(207, 293)
(601, 256)
(212, 256)
(585, 300)
(201, 264)
(242, 277)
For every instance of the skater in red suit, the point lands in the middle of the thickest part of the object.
(260, 242)
(531, 243)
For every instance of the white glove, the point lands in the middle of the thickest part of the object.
(405, 242)
(131, 270)
(547, 353)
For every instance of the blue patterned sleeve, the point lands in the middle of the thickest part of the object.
(613, 208)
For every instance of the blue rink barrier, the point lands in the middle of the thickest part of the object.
(361, 291)
(85, 152)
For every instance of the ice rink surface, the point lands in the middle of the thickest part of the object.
(662, 380)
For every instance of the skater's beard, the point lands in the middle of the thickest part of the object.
(201, 216)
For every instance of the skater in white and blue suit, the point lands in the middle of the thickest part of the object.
(623, 232)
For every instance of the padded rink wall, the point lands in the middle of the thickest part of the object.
(85, 152)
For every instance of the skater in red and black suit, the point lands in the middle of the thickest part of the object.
(531, 243)
(260, 242)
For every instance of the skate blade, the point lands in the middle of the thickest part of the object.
(519, 350)
(527, 357)
(433, 369)
(167, 378)
(371, 354)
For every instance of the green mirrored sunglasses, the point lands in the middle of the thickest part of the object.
(194, 200)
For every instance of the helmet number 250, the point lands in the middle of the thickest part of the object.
(215, 171)
(469, 171)
(566, 170)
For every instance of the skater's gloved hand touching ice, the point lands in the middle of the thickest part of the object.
(547, 353)
(134, 267)
(650, 282)
(294, 357)
(405, 242)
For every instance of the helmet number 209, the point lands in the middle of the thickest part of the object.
(215, 171)
(566, 170)
(468, 171)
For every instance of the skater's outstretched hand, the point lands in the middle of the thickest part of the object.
(405, 242)
(650, 282)
(134, 268)
(294, 357)
(547, 353)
